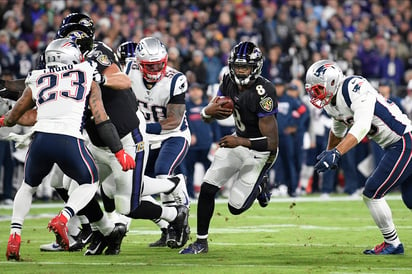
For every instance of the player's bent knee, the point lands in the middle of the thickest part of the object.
(235, 211)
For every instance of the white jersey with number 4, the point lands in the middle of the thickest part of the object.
(153, 102)
(61, 95)
(362, 111)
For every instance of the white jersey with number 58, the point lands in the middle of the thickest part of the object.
(153, 102)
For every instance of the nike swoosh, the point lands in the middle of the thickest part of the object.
(87, 239)
(200, 250)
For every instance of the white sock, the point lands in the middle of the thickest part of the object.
(159, 222)
(156, 185)
(81, 196)
(168, 213)
(73, 226)
(382, 215)
(105, 225)
(21, 207)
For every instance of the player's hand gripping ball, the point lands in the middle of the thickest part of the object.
(224, 102)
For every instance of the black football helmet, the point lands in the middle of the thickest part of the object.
(245, 54)
(79, 18)
(79, 33)
(126, 51)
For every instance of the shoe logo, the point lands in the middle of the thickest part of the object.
(84, 241)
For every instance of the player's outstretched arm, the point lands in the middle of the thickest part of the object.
(12, 89)
(23, 104)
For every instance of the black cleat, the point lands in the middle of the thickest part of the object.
(115, 238)
(97, 244)
(178, 231)
(162, 241)
(82, 239)
(264, 195)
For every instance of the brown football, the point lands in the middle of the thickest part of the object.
(229, 104)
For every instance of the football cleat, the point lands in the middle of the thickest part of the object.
(195, 248)
(178, 230)
(114, 240)
(179, 192)
(97, 244)
(60, 230)
(385, 249)
(162, 241)
(52, 247)
(264, 195)
(82, 239)
(13, 247)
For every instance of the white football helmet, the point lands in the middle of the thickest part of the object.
(323, 79)
(151, 56)
(62, 51)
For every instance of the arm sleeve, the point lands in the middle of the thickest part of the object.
(108, 133)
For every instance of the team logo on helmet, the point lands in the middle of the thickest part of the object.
(266, 103)
(321, 70)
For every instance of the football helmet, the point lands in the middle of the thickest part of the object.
(79, 18)
(151, 56)
(323, 79)
(245, 55)
(126, 52)
(62, 51)
(79, 33)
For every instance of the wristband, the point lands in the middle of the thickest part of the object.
(204, 115)
(260, 144)
(153, 128)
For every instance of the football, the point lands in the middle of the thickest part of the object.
(228, 104)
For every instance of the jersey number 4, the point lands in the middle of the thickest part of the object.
(48, 83)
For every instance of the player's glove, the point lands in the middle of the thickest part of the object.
(328, 159)
(99, 78)
(126, 161)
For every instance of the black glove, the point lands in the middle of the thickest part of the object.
(328, 159)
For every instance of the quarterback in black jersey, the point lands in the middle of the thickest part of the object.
(250, 152)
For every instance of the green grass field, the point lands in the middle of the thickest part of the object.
(289, 236)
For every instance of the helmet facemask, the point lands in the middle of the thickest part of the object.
(153, 71)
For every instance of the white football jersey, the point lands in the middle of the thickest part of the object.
(153, 102)
(61, 96)
(360, 110)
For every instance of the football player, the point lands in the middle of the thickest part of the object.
(358, 110)
(160, 92)
(61, 93)
(121, 107)
(250, 152)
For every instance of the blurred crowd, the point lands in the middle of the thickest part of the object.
(369, 38)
